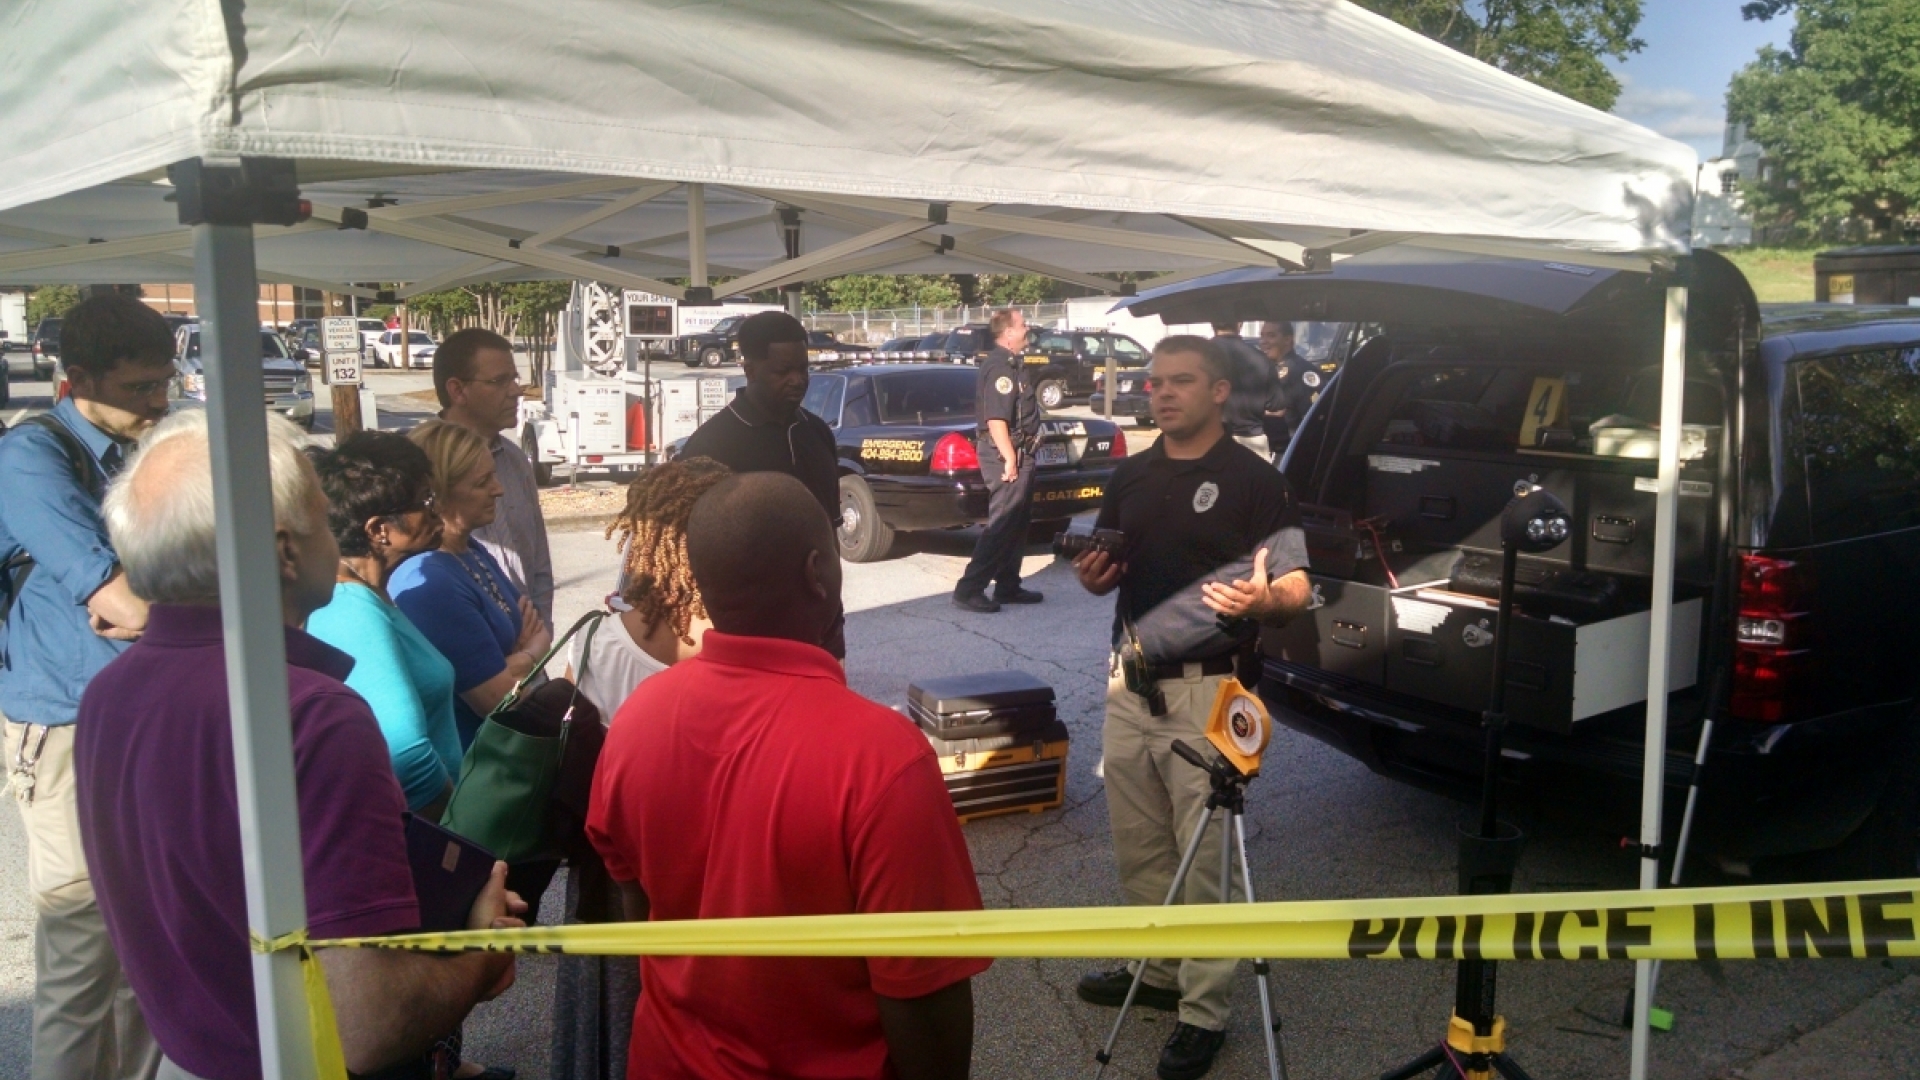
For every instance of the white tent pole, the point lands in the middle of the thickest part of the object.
(1673, 384)
(697, 235)
(228, 295)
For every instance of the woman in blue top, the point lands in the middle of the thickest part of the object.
(380, 495)
(457, 595)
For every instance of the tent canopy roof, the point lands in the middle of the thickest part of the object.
(1182, 136)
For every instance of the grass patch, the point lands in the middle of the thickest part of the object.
(1778, 275)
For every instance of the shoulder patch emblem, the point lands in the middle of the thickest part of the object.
(1205, 496)
(1003, 384)
(1311, 378)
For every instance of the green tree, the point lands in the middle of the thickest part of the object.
(444, 311)
(50, 302)
(1839, 114)
(1558, 44)
(1015, 288)
(868, 292)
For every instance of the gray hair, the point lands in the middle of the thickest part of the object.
(162, 527)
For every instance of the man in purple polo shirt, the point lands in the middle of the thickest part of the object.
(158, 813)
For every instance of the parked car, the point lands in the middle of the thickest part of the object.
(289, 386)
(1798, 524)
(45, 348)
(370, 333)
(907, 461)
(1063, 363)
(718, 344)
(419, 354)
(822, 346)
(307, 346)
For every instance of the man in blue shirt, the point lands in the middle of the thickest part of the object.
(68, 611)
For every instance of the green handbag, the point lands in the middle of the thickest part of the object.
(506, 797)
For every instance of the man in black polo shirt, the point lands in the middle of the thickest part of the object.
(1213, 548)
(1009, 416)
(764, 429)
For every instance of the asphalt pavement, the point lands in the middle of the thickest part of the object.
(1321, 826)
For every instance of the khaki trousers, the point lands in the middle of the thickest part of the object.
(86, 1023)
(1154, 802)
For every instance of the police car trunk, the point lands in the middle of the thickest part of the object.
(1466, 385)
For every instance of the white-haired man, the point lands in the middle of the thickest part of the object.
(154, 757)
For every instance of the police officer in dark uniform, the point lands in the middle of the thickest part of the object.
(1213, 549)
(1297, 382)
(1009, 417)
(1253, 388)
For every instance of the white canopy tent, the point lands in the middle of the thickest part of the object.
(631, 142)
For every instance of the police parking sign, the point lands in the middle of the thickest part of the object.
(340, 347)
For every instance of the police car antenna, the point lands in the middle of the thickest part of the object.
(1229, 794)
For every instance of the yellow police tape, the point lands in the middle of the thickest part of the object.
(1853, 919)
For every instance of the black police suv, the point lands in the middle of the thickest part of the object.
(907, 460)
(716, 345)
(1795, 574)
(1064, 364)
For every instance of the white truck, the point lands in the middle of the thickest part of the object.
(607, 403)
(13, 322)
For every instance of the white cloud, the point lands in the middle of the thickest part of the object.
(1672, 111)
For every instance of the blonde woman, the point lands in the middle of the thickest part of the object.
(456, 594)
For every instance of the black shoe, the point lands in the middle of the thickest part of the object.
(1110, 988)
(1189, 1052)
(1017, 596)
(975, 602)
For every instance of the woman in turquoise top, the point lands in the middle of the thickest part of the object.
(379, 487)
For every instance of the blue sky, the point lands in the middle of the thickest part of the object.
(1677, 85)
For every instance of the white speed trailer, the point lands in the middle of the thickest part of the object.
(608, 403)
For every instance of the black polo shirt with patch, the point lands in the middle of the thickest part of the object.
(744, 438)
(1005, 392)
(1186, 519)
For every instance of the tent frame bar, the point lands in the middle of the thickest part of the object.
(1673, 385)
(255, 644)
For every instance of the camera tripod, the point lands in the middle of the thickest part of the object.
(1229, 794)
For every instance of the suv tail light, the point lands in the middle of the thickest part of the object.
(1771, 655)
(1119, 448)
(955, 453)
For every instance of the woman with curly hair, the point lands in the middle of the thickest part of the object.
(657, 621)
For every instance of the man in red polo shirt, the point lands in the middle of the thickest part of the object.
(750, 781)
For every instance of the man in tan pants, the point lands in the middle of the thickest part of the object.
(65, 612)
(1205, 519)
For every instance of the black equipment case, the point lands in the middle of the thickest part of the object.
(1001, 746)
(984, 706)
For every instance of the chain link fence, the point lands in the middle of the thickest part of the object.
(880, 326)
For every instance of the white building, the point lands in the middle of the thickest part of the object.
(1720, 218)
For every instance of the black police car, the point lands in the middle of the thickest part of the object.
(907, 460)
(1065, 364)
(1798, 537)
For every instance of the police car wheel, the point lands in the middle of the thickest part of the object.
(712, 357)
(863, 536)
(1053, 393)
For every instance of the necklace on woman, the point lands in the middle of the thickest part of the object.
(483, 578)
(347, 569)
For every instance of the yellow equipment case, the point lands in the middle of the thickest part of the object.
(1006, 773)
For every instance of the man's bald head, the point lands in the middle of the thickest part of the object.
(765, 559)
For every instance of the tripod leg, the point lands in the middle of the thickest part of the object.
(1433, 1058)
(1269, 1019)
(1140, 972)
